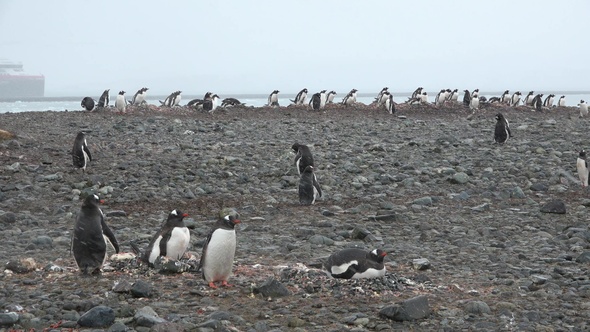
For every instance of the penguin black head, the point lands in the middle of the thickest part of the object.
(305, 90)
(323, 91)
(121, 92)
(583, 154)
(500, 117)
(92, 201)
(333, 92)
(231, 221)
(295, 147)
(176, 216)
(378, 255)
(582, 101)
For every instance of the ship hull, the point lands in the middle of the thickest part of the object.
(16, 86)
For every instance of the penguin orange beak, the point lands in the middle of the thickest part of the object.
(101, 201)
(383, 254)
(237, 221)
(185, 214)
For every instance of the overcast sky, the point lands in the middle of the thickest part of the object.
(84, 47)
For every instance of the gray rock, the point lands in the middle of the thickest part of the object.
(517, 193)
(411, 309)
(477, 308)
(141, 289)
(320, 239)
(555, 206)
(427, 200)
(116, 213)
(99, 316)
(359, 233)
(459, 178)
(23, 265)
(118, 327)
(583, 257)
(8, 318)
(8, 218)
(421, 264)
(539, 187)
(43, 241)
(167, 327)
(272, 288)
(147, 317)
(122, 286)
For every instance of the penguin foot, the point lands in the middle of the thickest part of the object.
(212, 285)
(225, 284)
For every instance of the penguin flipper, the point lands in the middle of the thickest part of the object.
(85, 147)
(204, 253)
(316, 184)
(135, 248)
(164, 243)
(109, 234)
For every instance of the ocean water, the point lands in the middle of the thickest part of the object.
(256, 100)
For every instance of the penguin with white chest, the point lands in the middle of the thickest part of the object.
(389, 104)
(316, 101)
(103, 101)
(502, 131)
(561, 101)
(330, 97)
(309, 187)
(350, 98)
(139, 97)
(80, 153)
(582, 167)
(219, 250)
(273, 99)
(91, 233)
(300, 98)
(87, 103)
(303, 157)
(171, 240)
(354, 263)
(583, 108)
(515, 100)
(120, 102)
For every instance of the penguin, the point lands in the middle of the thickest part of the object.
(218, 251)
(417, 93)
(303, 157)
(87, 103)
(494, 100)
(198, 103)
(453, 96)
(231, 102)
(502, 132)
(170, 100)
(176, 99)
(538, 102)
(316, 101)
(389, 104)
(80, 152)
(440, 97)
(466, 98)
(528, 100)
(309, 187)
(380, 99)
(300, 97)
(548, 102)
(561, 101)
(424, 98)
(90, 236)
(273, 99)
(330, 97)
(505, 98)
(354, 263)
(582, 166)
(475, 94)
(120, 102)
(171, 240)
(350, 98)
(323, 99)
(103, 101)
(139, 96)
(515, 100)
(474, 104)
(583, 108)
(210, 105)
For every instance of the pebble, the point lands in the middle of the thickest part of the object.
(99, 316)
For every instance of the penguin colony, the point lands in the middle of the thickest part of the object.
(319, 100)
(92, 235)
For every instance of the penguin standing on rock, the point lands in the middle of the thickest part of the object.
(300, 98)
(354, 263)
(303, 157)
(80, 152)
(561, 101)
(316, 101)
(103, 101)
(87, 103)
(380, 98)
(389, 104)
(515, 100)
(120, 102)
(350, 98)
(583, 108)
(502, 132)
(528, 100)
(548, 102)
(219, 250)
(466, 98)
(582, 166)
(538, 102)
(171, 240)
(273, 99)
(91, 233)
(309, 187)
(330, 97)
(139, 96)
(505, 99)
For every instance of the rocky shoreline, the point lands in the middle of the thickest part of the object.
(469, 246)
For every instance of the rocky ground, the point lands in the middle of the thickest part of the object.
(469, 247)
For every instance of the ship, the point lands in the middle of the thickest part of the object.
(16, 83)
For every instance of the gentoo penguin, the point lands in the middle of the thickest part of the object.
(424, 98)
(218, 252)
(171, 240)
(169, 101)
(583, 108)
(210, 105)
(380, 99)
(273, 98)
(548, 102)
(197, 103)
(330, 97)
(389, 104)
(475, 94)
(515, 100)
(538, 102)
(561, 101)
(323, 99)
(303, 157)
(89, 241)
(316, 101)
(474, 104)
(87, 103)
(300, 97)
(582, 166)
(139, 96)
(309, 187)
(103, 101)
(502, 132)
(466, 98)
(120, 102)
(528, 100)
(354, 263)
(231, 102)
(494, 100)
(505, 98)
(80, 152)
(350, 98)
(417, 93)
(176, 99)
(441, 96)
(454, 96)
